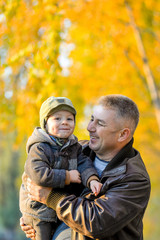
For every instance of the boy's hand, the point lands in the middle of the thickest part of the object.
(95, 187)
(75, 176)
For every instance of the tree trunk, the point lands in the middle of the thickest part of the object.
(147, 71)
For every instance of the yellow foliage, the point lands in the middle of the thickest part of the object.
(99, 57)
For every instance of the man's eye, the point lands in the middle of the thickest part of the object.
(101, 124)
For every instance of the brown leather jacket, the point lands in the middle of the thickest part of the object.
(117, 213)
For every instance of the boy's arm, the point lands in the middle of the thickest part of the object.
(95, 186)
(86, 169)
(72, 176)
(38, 168)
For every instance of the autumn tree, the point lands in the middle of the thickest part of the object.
(80, 49)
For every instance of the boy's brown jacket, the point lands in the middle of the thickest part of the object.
(47, 165)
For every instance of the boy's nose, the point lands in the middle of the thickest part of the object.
(64, 121)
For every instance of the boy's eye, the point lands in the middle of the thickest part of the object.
(57, 118)
(70, 119)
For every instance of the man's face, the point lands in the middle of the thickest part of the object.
(104, 129)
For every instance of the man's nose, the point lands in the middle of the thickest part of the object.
(91, 127)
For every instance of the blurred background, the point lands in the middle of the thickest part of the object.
(80, 49)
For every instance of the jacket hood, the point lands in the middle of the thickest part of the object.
(40, 136)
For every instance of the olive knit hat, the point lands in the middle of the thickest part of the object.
(52, 105)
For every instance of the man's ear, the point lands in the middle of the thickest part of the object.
(124, 134)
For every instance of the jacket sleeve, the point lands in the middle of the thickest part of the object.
(103, 216)
(86, 168)
(38, 168)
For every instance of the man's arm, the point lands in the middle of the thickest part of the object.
(103, 216)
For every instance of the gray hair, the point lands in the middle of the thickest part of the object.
(125, 108)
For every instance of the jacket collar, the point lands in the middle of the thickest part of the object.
(126, 152)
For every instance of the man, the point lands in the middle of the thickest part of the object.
(117, 212)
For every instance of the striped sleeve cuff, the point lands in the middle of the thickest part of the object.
(54, 197)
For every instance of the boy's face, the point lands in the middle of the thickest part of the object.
(60, 124)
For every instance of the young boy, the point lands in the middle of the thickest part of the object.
(55, 159)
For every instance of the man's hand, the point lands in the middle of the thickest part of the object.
(75, 176)
(95, 187)
(37, 193)
(27, 229)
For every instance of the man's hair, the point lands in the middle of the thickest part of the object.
(124, 106)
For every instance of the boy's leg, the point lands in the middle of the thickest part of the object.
(44, 230)
(63, 232)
